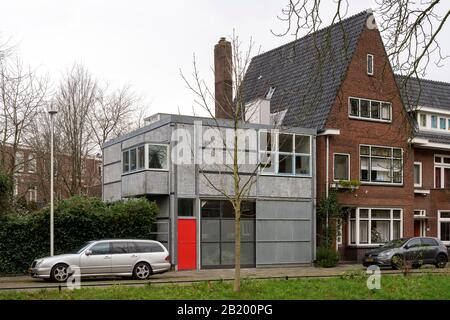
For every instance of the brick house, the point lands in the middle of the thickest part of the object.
(31, 175)
(339, 81)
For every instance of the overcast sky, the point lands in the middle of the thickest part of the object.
(144, 43)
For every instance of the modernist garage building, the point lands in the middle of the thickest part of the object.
(196, 222)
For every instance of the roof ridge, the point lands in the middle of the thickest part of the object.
(423, 79)
(367, 12)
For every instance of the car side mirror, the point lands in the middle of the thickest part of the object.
(88, 252)
(407, 247)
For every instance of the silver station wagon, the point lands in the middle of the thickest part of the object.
(137, 258)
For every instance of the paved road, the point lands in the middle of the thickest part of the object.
(28, 283)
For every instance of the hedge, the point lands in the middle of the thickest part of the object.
(77, 220)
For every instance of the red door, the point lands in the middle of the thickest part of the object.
(417, 228)
(187, 244)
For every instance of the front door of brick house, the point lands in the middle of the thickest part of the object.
(187, 243)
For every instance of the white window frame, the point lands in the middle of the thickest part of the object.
(442, 166)
(370, 162)
(32, 194)
(358, 117)
(348, 169)
(146, 158)
(370, 65)
(146, 167)
(440, 219)
(275, 154)
(369, 222)
(418, 163)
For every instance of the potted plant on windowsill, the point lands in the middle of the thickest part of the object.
(346, 184)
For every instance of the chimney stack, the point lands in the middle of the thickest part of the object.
(223, 79)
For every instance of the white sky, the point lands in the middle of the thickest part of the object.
(145, 43)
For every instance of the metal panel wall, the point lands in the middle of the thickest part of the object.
(284, 232)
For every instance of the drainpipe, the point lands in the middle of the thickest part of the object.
(327, 175)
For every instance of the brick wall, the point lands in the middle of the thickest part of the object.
(380, 86)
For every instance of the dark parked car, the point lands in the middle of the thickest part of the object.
(414, 251)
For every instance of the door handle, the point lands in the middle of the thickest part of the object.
(107, 257)
(134, 256)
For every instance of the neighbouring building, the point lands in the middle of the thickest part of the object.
(340, 82)
(32, 174)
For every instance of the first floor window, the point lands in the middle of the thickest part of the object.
(341, 166)
(157, 156)
(444, 226)
(372, 226)
(381, 164)
(285, 153)
(417, 174)
(423, 120)
(134, 159)
(434, 122)
(442, 172)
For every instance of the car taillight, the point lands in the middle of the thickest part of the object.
(168, 258)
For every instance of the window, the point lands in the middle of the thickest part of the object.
(31, 164)
(423, 120)
(285, 153)
(442, 123)
(434, 122)
(19, 162)
(373, 226)
(32, 194)
(134, 159)
(120, 247)
(186, 207)
(444, 226)
(141, 157)
(417, 174)
(157, 156)
(101, 248)
(381, 165)
(370, 64)
(144, 247)
(126, 161)
(429, 242)
(341, 167)
(217, 233)
(442, 172)
(370, 109)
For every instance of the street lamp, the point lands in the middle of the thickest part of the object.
(51, 111)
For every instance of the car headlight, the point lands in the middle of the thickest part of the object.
(385, 253)
(38, 263)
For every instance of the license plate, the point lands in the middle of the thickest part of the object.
(369, 259)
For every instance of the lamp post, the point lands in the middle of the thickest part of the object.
(51, 111)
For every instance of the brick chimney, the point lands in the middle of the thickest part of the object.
(223, 79)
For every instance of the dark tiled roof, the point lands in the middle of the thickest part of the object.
(418, 92)
(434, 137)
(306, 73)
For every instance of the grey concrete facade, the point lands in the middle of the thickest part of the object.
(285, 205)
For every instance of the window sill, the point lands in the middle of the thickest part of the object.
(385, 184)
(143, 170)
(285, 175)
(369, 119)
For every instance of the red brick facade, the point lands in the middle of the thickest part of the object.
(353, 132)
(29, 176)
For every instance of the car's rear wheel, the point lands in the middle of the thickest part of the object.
(59, 273)
(142, 271)
(441, 260)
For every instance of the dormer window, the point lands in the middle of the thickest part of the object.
(370, 64)
(433, 122)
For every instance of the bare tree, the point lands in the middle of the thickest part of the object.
(243, 175)
(22, 95)
(75, 99)
(114, 113)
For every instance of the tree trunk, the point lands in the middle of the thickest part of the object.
(237, 248)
